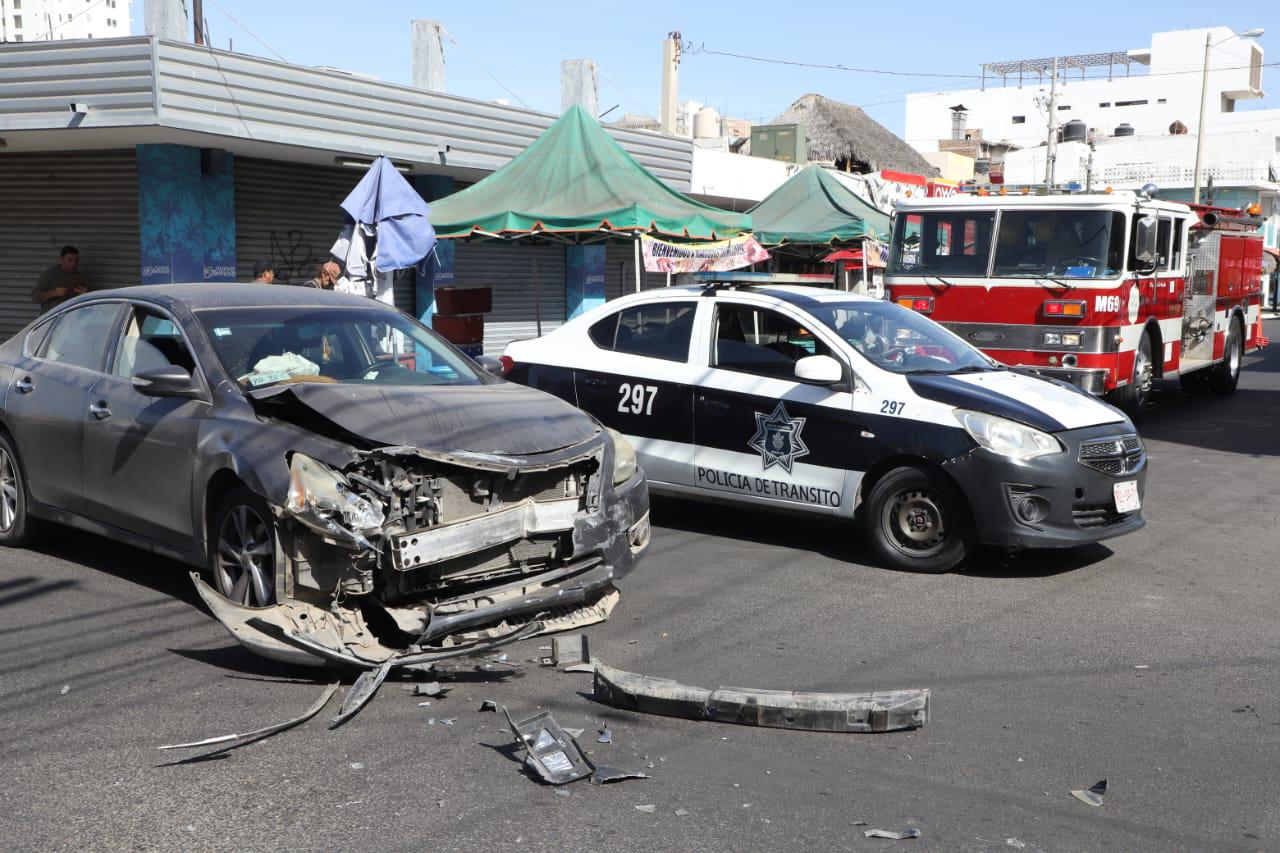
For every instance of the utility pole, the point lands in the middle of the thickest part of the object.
(1050, 163)
(197, 11)
(1204, 95)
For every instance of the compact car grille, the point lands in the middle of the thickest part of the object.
(1117, 456)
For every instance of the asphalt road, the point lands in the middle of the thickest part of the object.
(1150, 661)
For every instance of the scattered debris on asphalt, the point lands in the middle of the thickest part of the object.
(488, 705)
(1092, 796)
(879, 711)
(580, 667)
(647, 809)
(570, 649)
(266, 731)
(66, 688)
(433, 689)
(681, 812)
(892, 836)
(857, 823)
(361, 692)
(549, 749)
(608, 775)
(1015, 843)
(606, 736)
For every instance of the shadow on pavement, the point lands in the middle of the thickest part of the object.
(1242, 423)
(122, 561)
(987, 562)
(33, 589)
(239, 660)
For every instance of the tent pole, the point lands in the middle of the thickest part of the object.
(537, 296)
(636, 253)
(866, 283)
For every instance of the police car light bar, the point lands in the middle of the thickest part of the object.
(730, 278)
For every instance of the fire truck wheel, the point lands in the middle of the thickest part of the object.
(916, 520)
(1224, 377)
(1135, 395)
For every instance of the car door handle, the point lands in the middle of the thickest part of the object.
(24, 385)
(714, 405)
(592, 382)
(100, 410)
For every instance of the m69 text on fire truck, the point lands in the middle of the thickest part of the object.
(1108, 291)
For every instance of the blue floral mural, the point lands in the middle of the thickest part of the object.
(186, 216)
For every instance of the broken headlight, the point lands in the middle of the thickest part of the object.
(624, 458)
(316, 488)
(1006, 437)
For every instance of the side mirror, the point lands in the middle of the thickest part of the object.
(489, 364)
(819, 370)
(168, 381)
(1144, 241)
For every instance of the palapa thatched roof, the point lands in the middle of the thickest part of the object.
(838, 132)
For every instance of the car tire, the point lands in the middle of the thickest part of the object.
(916, 521)
(1225, 376)
(1132, 397)
(17, 527)
(242, 552)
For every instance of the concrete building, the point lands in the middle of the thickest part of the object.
(1147, 89)
(60, 20)
(181, 162)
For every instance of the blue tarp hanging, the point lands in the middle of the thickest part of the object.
(385, 202)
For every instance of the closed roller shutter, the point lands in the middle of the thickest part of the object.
(620, 271)
(287, 214)
(88, 199)
(508, 270)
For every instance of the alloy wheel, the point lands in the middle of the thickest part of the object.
(245, 565)
(8, 492)
(1143, 376)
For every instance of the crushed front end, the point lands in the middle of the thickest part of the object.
(407, 554)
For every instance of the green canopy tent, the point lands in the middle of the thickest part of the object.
(812, 212)
(575, 184)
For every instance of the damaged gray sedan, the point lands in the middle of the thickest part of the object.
(359, 491)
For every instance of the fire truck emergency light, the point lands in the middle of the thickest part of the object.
(920, 304)
(1065, 308)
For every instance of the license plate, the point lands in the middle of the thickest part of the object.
(1126, 495)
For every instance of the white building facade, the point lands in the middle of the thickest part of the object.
(1147, 89)
(59, 20)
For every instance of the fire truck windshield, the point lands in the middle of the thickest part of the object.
(951, 243)
(1060, 243)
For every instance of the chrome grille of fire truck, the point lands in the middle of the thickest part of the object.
(1116, 456)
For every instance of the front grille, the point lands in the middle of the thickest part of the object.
(1094, 516)
(1116, 456)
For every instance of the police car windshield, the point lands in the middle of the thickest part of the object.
(898, 339)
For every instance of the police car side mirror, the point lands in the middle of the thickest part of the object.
(819, 370)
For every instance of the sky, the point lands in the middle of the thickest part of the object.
(512, 50)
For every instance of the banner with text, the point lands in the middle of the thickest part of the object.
(715, 256)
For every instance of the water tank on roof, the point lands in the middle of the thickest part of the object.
(706, 123)
(1124, 129)
(1074, 131)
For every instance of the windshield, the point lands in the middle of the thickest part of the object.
(898, 339)
(1061, 243)
(267, 346)
(952, 243)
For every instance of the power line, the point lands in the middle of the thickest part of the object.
(633, 101)
(49, 33)
(251, 33)
(501, 85)
(703, 49)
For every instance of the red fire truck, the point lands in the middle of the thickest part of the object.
(1107, 291)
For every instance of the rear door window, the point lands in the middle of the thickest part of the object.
(659, 330)
(762, 342)
(81, 336)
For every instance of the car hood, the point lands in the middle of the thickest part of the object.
(503, 419)
(1045, 404)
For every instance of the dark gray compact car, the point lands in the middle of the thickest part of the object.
(359, 491)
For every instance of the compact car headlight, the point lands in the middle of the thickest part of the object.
(624, 458)
(1006, 437)
(316, 488)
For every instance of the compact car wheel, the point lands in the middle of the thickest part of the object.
(1224, 377)
(916, 521)
(243, 559)
(16, 527)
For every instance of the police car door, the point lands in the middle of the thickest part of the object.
(637, 383)
(762, 435)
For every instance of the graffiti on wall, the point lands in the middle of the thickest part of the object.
(292, 256)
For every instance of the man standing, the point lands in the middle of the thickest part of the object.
(61, 281)
(326, 276)
(264, 272)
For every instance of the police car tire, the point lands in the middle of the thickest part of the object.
(928, 493)
(1224, 376)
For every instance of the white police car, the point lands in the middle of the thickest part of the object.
(802, 398)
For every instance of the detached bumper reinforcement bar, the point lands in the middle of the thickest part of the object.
(878, 711)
